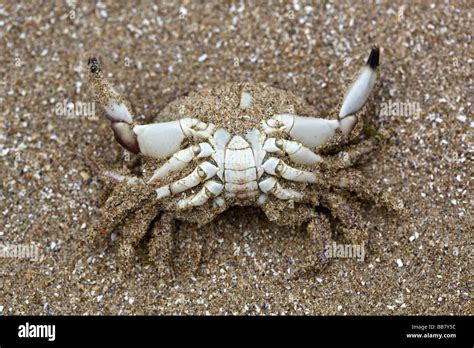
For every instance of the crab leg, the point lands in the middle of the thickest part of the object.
(158, 140)
(314, 132)
(181, 159)
(296, 151)
(275, 166)
(117, 209)
(351, 156)
(342, 210)
(210, 190)
(161, 244)
(131, 237)
(202, 173)
(310, 131)
(351, 224)
(119, 178)
(357, 184)
(272, 186)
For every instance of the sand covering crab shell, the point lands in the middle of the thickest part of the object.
(239, 144)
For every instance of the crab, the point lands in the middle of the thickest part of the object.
(239, 144)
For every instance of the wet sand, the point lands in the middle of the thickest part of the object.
(240, 263)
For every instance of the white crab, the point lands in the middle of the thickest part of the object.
(244, 167)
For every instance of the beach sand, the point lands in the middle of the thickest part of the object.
(240, 263)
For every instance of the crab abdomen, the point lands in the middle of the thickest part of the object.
(240, 170)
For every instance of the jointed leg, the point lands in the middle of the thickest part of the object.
(320, 234)
(272, 186)
(347, 213)
(121, 178)
(181, 159)
(277, 167)
(297, 152)
(350, 156)
(132, 230)
(117, 208)
(349, 216)
(359, 185)
(203, 172)
(210, 190)
(161, 244)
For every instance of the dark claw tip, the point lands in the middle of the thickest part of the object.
(94, 65)
(373, 60)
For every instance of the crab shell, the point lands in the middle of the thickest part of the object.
(247, 153)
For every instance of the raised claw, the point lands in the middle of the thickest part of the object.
(310, 131)
(359, 92)
(117, 109)
(313, 132)
(156, 140)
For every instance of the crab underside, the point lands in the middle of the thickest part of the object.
(240, 144)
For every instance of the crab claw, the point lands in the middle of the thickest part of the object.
(161, 140)
(359, 92)
(310, 131)
(313, 132)
(158, 140)
(117, 109)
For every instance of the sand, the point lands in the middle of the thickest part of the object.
(240, 263)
